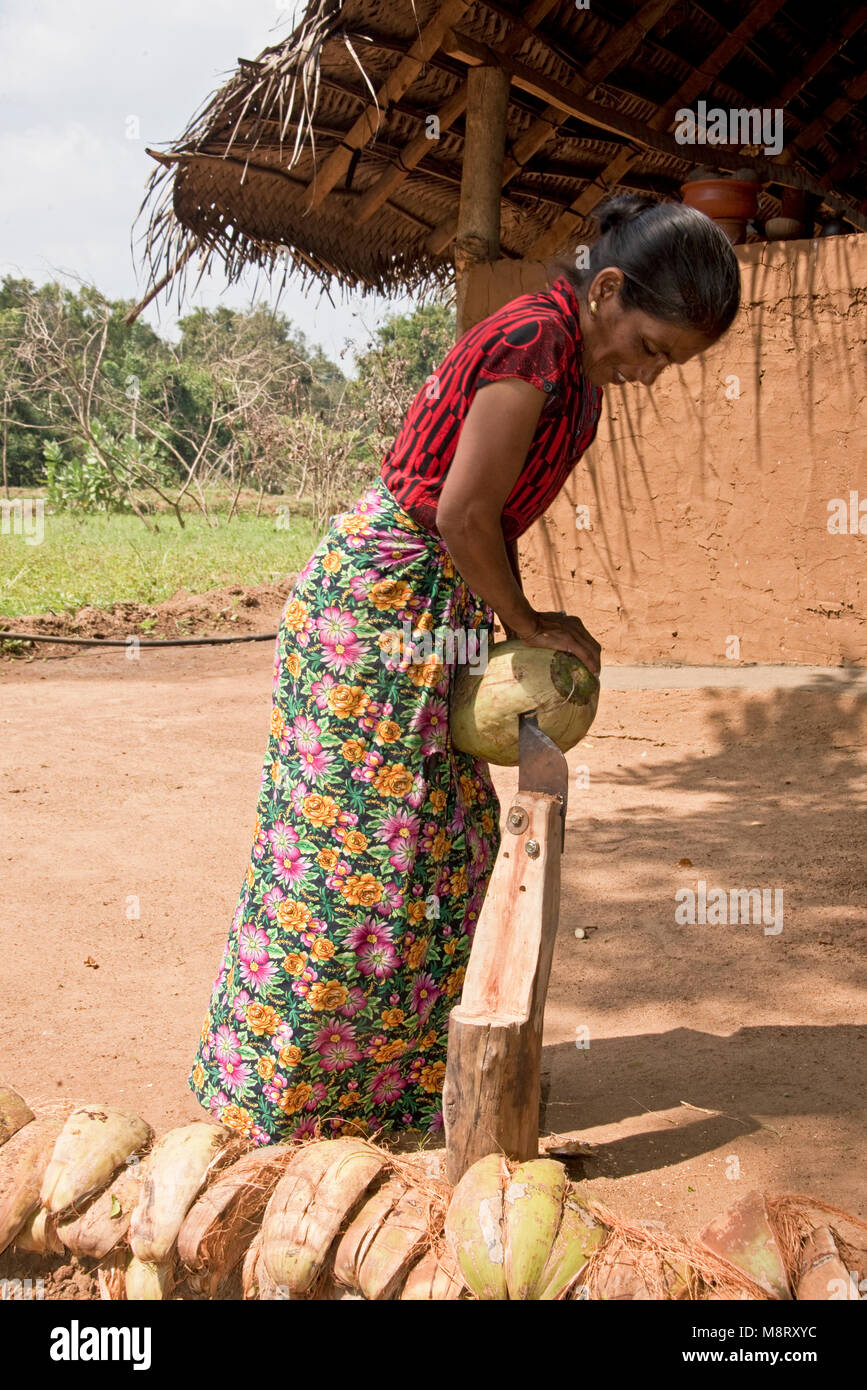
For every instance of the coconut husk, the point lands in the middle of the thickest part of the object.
(658, 1265)
(220, 1225)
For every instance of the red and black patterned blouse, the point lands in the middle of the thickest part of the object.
(536, 337)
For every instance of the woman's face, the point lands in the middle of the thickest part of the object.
(626, 345)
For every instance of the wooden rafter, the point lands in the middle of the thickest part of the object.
(601, 187)
(853, 92)
(821, 58)
(617, 48)
(394, 86)
(447, 114)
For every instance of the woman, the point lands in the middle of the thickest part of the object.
(375, 839)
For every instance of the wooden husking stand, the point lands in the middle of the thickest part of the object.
(491, 1094)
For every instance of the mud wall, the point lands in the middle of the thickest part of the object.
(721, 508)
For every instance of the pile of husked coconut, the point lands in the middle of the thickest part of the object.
(345, 1218)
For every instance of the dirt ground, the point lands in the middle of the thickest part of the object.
(720, 1057)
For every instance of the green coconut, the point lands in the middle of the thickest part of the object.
(483, 716)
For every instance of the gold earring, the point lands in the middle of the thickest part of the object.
(593, 306)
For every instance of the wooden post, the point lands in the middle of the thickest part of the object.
(478, 234)
(491, 1093)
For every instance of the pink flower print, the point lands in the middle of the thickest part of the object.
(355, 1002)
(377, 959)
(336, 1045)
(226, 1042)
(424, 995)
(242, 999)
(234, 1073)
(316, 763)
(392, 899)
(319, 690)
(359, 584)
(340, 645)
(270, 901)
(253, 943)
(369, 933)
(387, 1084)
(289, 866)
(271, 1090)
(306, 1129)
(431, 721)
(306, 733)
(257, 974)
(317, 1096)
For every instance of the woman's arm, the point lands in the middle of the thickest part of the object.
(491, 450)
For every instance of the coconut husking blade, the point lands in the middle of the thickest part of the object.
(542, 766)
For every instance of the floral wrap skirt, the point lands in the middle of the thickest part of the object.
(373, 846)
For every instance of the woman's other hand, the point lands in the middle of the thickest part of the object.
(562, 632)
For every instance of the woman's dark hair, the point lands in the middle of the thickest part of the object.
(679, 265)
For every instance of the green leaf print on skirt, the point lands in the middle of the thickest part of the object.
(373, 847)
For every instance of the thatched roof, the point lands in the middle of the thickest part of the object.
(319, 156)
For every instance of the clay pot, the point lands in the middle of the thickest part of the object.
(735, 228)
(783, 229)
(723, 199)
(793, 203)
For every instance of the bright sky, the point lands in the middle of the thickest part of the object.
(72, 74)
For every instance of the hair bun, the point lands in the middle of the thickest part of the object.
(623, 208)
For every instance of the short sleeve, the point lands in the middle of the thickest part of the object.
(536, 347)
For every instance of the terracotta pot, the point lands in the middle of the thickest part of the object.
(723, 198)
(735, 228)
(793, 203)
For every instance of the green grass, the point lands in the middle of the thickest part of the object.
(101, 560)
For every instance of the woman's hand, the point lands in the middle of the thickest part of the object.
(563, 632)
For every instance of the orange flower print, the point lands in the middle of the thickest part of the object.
(438, 799)
(278, 723)
(426, 673)
(322, 949)
(296, 615)
(332, 562)
(455, 981)
(262, 1019)
(327, 859)
(352, 750)
(390, 1051)
(293, 664)
(294, 963)
(389, 593)
(348, 1099)
(320, 810)
(198, 1074)
(362, 890)
(236, 1117)
(295, 1097)
(347, 700)
(292, 916)
(265, 1067)
(328, 995)
(354, 841)
(290, 1056)
(440, 845)
(432, 1076)
(392, 1018)
(388, 731)
(458, 883)
(416, 911)
(417, 952)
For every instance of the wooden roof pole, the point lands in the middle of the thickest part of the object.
(821, 57)
(399, 80)
(590, 197)
(447, 114)
(616, 49)
(478, 234)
